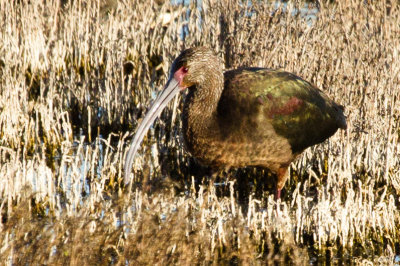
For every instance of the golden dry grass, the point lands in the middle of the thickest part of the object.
(75, 77)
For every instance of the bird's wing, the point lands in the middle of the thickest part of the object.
(298, 111)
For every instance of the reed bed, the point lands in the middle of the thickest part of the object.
(77, 76)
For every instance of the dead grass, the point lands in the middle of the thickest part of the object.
(69, 102)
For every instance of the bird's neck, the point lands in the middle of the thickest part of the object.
(200, 108)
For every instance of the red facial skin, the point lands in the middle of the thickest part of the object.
(179, 75)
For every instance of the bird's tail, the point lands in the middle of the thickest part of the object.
(340, 117)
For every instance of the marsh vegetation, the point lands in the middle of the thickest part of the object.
(76, 78)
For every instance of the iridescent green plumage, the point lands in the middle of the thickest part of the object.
(297, 110)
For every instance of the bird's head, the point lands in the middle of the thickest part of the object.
(194, 66)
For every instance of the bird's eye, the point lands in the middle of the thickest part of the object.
(185, 70)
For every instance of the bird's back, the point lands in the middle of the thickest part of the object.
(255, 98)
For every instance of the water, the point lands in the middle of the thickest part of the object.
(308, 12)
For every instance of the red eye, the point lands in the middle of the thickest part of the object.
(181, 73)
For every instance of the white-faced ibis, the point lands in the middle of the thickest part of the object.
(243, 117)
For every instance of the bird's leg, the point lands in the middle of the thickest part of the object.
(283, 175)
(277, 193)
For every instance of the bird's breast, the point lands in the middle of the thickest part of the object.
(222, 144)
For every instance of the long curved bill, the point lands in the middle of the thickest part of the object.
(167, 94)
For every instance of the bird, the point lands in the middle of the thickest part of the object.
(250, 116)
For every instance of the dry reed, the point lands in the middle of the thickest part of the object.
(75, 77)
